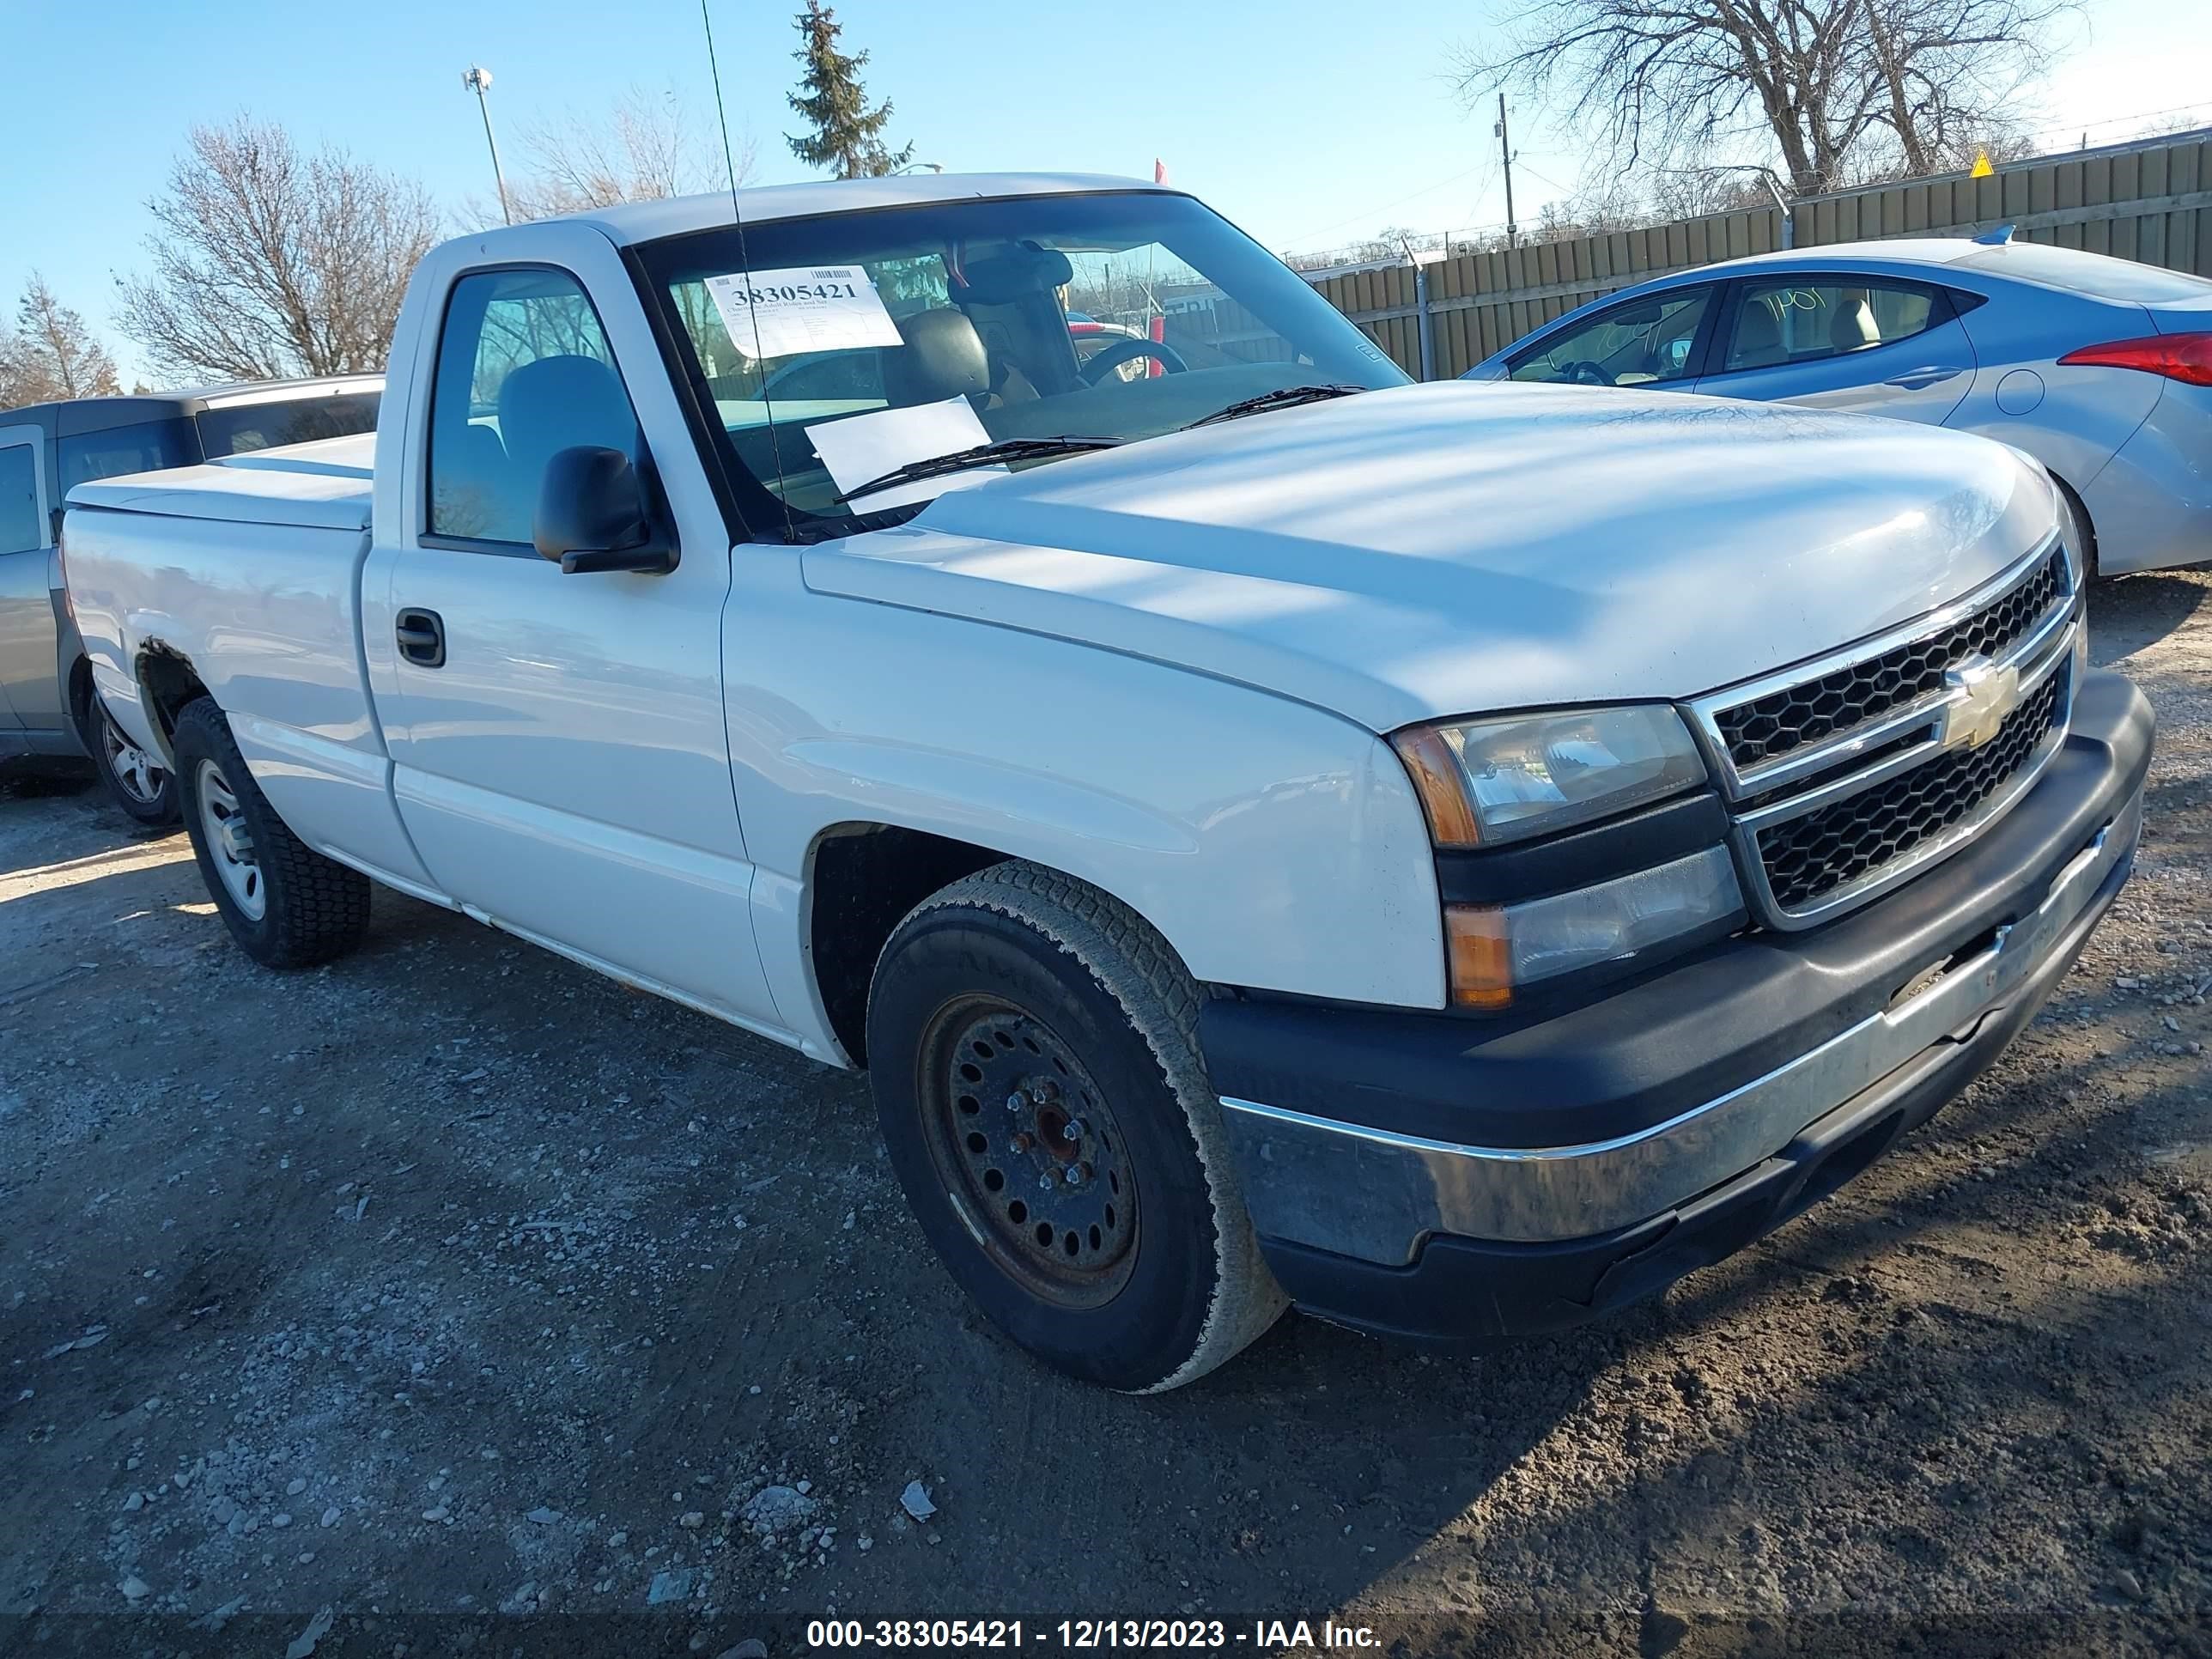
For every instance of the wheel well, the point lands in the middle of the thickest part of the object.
(168, 682)
(77, 689)
(865, 877)
(2074, 505)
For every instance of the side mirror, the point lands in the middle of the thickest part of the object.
(592, 515)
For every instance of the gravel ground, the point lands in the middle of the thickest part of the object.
(403, 1301)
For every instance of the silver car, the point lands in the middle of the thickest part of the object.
(2100, 368)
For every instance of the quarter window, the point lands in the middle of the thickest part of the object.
(1643, 343)
(524, 371)
(1800, 322)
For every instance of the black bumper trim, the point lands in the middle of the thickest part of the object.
(1462, 1290)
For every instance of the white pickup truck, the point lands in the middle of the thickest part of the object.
(1453, 858)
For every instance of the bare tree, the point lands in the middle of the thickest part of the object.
(50, 353)
(1838, 88)
(647, 147)
(270, 262)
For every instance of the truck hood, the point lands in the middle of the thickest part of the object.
(1460, 548)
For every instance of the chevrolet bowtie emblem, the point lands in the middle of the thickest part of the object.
(1980, 696)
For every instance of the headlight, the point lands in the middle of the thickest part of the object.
(1492, 950)
(1486, 782)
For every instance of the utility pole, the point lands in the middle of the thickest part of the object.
(1505, 150)
(478, 81)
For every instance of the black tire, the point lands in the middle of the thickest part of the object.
(2085, 533)
(1019, 971)
(312, 908)
(141, 784)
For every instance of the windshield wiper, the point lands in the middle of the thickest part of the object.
(1283, 396)
(1005, 449)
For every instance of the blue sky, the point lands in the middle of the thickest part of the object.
(1307, 130)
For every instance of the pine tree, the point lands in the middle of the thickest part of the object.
(848, 134)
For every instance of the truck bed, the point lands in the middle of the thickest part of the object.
(249, 568)
(322, 485)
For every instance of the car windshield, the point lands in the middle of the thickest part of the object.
(834, 349)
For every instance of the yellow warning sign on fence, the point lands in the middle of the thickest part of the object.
(1982, 167)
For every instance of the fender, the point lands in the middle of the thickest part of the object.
(1272, 844)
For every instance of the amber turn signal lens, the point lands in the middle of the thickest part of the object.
(1477, 956)
(1436, 774)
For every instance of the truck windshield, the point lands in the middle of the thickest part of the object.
(837, 349)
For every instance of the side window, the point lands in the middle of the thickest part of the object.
(524, 371)
(1798, 322)
(20, 529)
(1646, 340)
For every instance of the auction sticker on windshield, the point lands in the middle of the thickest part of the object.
(780, 313)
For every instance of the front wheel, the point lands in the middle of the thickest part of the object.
(1036, 1072)
(286, 904)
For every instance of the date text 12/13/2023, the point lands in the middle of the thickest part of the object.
(1086, 1635)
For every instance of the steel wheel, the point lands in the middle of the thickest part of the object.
(230, 841)
(137, 773)
(1028, 1152)
(1021, 988)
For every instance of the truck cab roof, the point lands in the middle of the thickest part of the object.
(631, 223)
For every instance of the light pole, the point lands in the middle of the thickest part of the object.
(916, 166)
(1768, 176)
(478, 81)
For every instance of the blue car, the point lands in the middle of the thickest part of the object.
(2100, 368)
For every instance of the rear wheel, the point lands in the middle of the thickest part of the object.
(1037, 1075)
(2084, 537)
(138, 779)
(286, 904)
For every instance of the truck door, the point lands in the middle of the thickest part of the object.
(27, 615)
(560, 755)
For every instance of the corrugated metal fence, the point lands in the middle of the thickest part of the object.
(2150, 200)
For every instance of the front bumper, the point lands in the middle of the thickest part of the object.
(1432, 1176)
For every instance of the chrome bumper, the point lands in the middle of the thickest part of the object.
(1376, 1196)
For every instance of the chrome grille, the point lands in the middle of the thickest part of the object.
(1844, 699)
(1810, 857)
(1850, 773)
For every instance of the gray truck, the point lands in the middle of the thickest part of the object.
(48, 711)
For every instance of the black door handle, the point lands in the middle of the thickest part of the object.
(422, 637)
